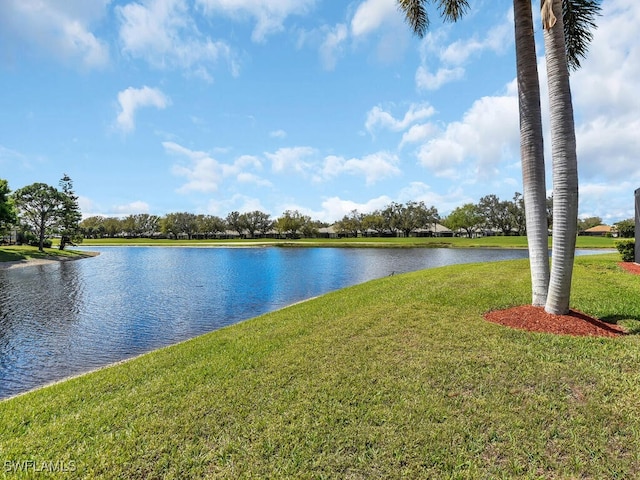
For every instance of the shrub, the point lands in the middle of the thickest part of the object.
(627, 249)
(45, 244)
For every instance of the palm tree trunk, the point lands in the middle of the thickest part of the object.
(532, 151)
(565, 163)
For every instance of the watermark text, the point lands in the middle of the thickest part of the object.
(45, 466)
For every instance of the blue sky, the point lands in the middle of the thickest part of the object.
(324, 106)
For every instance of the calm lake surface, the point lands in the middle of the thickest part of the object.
(63, 319)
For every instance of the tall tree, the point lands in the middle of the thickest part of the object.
(374, 221)
(532, 151)
(180, 223)
(255, 221)
(579, 14)
(531, 138)
(626, 228)
(70, 215)
(350, 224)
(235, 222)
(39, 206)
(8, 215)
(293, 222)
(518, 213)
(93, 227)
(563, 137)
(210, 225)
(113, 226)
(497, 213)
(467, 217)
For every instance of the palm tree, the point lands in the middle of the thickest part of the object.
(532, 151)
(562, 54)
(579, 15)
(531, 138)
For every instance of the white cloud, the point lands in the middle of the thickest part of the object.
(373, 168)
(445, 203)
(130, 208)
(496, 40)
(86, 205)
(132, 99)
(425, 80)
(61, 29)
(382, 18)
(12, 157)
(237, 202)
(372, 14)
(297, 159)
(164, 33)
(244, 161)
(487, 135)
(374, 23)
(451, 58)
(278, 134)
(334, 208)
(379, 118)
(269, 15)
(205, 174)
(611, 202)
(418, 133)
(605, 107)
(606, 100)
(245, 177)
(331, 47)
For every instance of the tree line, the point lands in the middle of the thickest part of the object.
(39, 211)
(291, 224)
(395, 219)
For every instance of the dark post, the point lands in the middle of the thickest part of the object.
(637, 248)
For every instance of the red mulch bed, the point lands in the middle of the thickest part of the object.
(535, 319)
(630, 267)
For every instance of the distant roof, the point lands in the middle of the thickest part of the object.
(599, 229)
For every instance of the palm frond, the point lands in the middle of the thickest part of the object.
(579, 20)
(415, 14)
(453, 10)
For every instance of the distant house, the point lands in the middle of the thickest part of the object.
(327, 232)
(434, 230)
(599, 231)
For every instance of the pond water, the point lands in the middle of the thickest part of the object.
(63, 319)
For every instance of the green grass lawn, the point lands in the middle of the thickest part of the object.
(489, 242)
(16, 253)
(396, 378)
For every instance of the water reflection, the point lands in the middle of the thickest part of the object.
(62, 319)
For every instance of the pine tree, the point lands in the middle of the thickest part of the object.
(70, 215)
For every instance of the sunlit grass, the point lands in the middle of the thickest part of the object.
(15, 253)
(487, 242)
(396, 378)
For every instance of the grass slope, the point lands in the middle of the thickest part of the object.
(396, 378)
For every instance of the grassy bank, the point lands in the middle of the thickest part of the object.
(16, 253)
(487, 242)
(398, 377)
